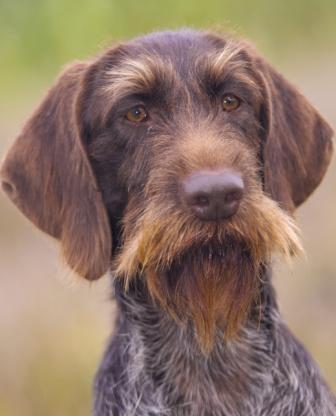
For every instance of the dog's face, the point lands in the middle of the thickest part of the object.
(190, 153)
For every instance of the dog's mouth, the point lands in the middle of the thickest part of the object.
(205, 272)
(160, 234)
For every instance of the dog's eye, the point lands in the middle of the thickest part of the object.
(137, 114)
(230, 102)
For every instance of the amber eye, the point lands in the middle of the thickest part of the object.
(230, 102)
(137, 114)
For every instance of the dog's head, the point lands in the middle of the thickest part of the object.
(189, 152)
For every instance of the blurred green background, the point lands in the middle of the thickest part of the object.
(54, 327)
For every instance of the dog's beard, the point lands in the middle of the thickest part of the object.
(206, 273)
(209, 286)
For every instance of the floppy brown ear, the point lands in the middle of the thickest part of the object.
(47, 175)
(298, 145)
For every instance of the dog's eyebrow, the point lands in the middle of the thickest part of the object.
(230, 61)
(139, 76)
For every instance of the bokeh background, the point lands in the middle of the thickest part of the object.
(53, 327)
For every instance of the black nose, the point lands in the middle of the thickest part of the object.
(213, 195)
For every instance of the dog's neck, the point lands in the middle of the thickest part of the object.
(171, 356)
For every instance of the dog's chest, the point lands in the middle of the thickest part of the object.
(175, 380)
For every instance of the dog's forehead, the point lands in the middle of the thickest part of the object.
(169, 58)
(177, 45)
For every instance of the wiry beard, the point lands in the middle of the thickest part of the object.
(205, 272)
(208, 285)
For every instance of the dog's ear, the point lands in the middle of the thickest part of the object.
(46, 173)
(298, 145)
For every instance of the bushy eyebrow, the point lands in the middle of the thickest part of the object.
(230, 63)
(141, 75)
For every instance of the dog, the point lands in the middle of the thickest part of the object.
(175, 162)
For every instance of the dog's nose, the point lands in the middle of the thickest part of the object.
(213, 195)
